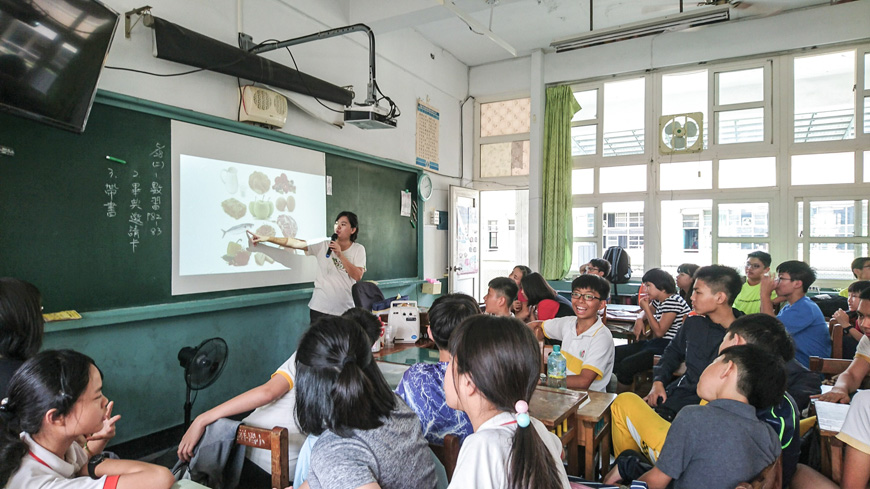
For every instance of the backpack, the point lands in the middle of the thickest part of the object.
(620, 265)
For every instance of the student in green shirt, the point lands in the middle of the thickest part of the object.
(861, 271)
(749, 299)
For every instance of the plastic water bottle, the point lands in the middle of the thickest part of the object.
(557, 368)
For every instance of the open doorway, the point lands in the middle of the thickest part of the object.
(504, 233)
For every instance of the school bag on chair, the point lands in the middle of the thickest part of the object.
(620, 266)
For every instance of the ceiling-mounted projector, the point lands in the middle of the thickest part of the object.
(369, 117)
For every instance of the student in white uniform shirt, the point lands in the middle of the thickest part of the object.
(491, 376)
(586, 343)
(55, 399)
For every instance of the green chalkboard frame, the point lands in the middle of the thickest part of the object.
(199, 303)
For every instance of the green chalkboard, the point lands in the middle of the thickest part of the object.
(94, 234)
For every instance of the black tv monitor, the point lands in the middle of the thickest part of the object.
(51, 55)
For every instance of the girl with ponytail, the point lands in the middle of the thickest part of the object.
(55, 400)
(492, 374)
(369, 438)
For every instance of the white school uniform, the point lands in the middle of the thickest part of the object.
(42, 469)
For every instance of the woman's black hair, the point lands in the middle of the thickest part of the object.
(689, 269)
(502, 358)
(661, 279)
(353, 220)
(338, 386)
(21, 321)
(524, 270)
(52, 379)
(536, 288)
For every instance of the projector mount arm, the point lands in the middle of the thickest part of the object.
(247, 44)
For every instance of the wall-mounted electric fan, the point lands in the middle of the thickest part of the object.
(202, 366)
(681, 133)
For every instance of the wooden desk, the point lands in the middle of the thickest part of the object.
(556, 409)
(829, 420)
(595, 425)
(620, 319)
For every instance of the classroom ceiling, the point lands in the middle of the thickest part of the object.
(528, 25)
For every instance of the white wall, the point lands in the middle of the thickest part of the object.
(751, 37)
(408, 68)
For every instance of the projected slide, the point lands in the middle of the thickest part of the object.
(225, 185)
(222, 200)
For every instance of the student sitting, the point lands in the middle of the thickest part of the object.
(492, 374)
(21, 326)
(851, 333)
(686, 281)
(802, 317)
(500, 296)
(520, 307)
(596, 266)
(723, 443)
(860, 269)
(422, 385)
(697, 342)
(586, 343)
(851, 378)
(55, 398)
(665, 311)
(749, 298)
(273, 403)
(368, 436)
(543, 300)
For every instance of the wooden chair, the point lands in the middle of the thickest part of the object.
(447, 454)
(836, 331)
(277, 441)
(829, 366)
(769, 478)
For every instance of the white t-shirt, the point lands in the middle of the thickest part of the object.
(856, 428)
(863, 350)
(483, 458)
(44, 470)
(332, 283)
(593, 349)
(280, 412)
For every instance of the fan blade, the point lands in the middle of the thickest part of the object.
(691, 129)
(669, 129)
(680, 143)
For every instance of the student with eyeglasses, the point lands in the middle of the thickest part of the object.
(749, 298)
(586, 343)
(802, 317)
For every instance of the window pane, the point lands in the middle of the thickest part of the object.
(747, 172)
(734, 254)
(867, 71)
(623, 226)
(505, 117)
(622, 179)
(686, 176)
(737, 87)
(624, 111)
(583, 252)
(824, 99)
(686, 232)
(584, 222)
(740, 126)
(588, 101)
(823, 168)
(866, 115)
(832, 260)
(866, 166)
(504, 159)
(832, 219)
(583, 140)
(582, 181)
(743, 220)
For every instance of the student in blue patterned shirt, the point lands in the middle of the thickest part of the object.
(422, 386)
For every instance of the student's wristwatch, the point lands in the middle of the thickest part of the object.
(848, 328)
(92, 464)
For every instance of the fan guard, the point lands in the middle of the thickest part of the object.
(681, 133)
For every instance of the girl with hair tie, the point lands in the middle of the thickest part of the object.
(493, 371)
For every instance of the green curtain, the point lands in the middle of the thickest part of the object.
(556, 228)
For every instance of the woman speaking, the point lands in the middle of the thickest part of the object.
(337, 272)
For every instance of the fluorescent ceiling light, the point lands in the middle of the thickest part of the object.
(701, 16)
(477, 26)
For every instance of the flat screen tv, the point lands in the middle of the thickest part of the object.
(51, 55)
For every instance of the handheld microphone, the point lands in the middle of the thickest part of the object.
(329, 250)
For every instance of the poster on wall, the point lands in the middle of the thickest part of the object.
(468, 242)
(428, 125)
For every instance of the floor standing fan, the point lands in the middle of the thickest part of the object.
(202, 366)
